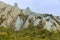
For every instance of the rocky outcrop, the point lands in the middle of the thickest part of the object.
(13, 17)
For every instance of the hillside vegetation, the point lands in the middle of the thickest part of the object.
(28, 34)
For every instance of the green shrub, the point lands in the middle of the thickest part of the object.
(28, 34)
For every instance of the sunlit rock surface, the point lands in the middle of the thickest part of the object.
(18, 23)
(48, 25)
(36, 22)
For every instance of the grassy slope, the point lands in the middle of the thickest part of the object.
(28, 34)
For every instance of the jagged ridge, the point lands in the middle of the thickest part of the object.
(13, 17)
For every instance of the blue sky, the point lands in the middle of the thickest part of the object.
(40, 6)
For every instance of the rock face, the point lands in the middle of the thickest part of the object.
(13, 17)
(18, 23)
